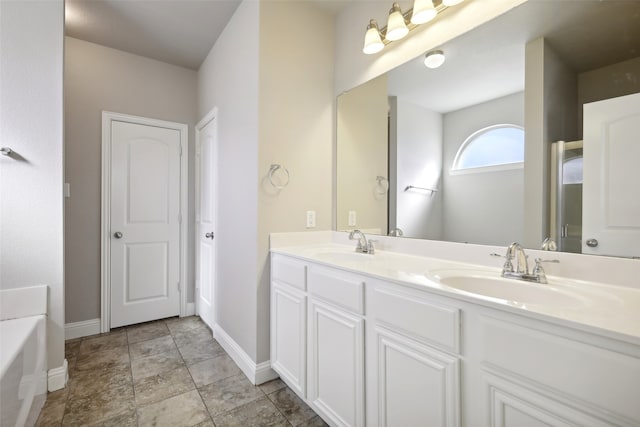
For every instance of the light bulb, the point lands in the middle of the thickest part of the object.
(372, 41)
(423, 11)
(396, 27)
(451, 2)
(434, 59)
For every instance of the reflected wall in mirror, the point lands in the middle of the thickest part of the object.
(533, 67)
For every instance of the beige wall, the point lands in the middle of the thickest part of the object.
(31, 180)
(98, 78)
(362, 155)
(296, 129)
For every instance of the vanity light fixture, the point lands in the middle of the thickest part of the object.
(423, 12)
(396, 25)
(434, 59)
(400, 24)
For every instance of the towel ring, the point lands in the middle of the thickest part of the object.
(382, 185)
(272, 171)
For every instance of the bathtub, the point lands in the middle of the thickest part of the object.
(23, 370)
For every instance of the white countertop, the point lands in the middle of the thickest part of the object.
(602, 309)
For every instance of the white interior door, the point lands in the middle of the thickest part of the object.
(205, 220)
(145, 223)
(611, 177)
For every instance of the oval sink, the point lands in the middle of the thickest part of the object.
(514, 292)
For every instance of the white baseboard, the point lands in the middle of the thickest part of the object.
(57, 377)
(191, 309)
(81, 329)
(257, 373)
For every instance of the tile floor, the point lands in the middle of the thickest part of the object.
(166, 373)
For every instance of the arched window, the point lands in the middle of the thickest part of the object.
(495, 147)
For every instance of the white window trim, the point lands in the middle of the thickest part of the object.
(485, 169)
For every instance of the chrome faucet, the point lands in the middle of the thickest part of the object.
(515, 252)
(364, 246)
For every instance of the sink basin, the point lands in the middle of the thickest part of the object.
(514, 292)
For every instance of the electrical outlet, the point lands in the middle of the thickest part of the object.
(311, 219)
(352, 218)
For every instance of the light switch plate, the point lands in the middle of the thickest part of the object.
(352, 218)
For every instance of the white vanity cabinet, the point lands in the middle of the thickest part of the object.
(289, 321)
(365, 351)
(412, 357)
(336, 346)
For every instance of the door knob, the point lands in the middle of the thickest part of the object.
(209, 235)
(117, 235)
(592, 243)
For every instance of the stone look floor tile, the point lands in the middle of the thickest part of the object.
(271, 386)
(198, 351)
(100, 406)
(153, 346)
(100, 343)
(291, 406)
(177, 325)
(215, 369)
(146, 331)
(88, 383)
(156, 364)
(71, 348)
(183, 410)
(162, 386)
(314, 422)
(261, 412)
(191, 336)
(53, 410)
(106, 359)
(229, 393)
(137, 376)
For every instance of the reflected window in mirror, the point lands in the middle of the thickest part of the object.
(495, 147)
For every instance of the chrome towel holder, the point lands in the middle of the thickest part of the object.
(272, 170)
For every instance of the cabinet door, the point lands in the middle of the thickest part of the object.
(336, 364)
(416, 385)
(288, 333)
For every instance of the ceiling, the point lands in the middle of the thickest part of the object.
(488, 62)
(179, 32)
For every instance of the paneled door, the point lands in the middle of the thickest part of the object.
(145, 222)
(205, 217)
(611, 177)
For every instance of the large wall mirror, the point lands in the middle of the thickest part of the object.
(489, 146)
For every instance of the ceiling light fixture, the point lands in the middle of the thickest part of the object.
(434, 59)
(400, 24)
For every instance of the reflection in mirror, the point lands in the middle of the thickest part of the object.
(532, 68)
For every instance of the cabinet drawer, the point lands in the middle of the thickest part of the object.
(439, 325)
(289, 271)
(343, 289)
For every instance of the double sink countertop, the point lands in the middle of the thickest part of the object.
(606, 310)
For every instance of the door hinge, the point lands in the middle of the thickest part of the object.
(180, 150)
(179, 288)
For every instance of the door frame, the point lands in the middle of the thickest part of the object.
(212, 115)
(105, 218)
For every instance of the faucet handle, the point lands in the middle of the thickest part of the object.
(370, 246)
(538, 271)
(508, 265)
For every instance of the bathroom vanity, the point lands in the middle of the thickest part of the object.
(394, 339)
